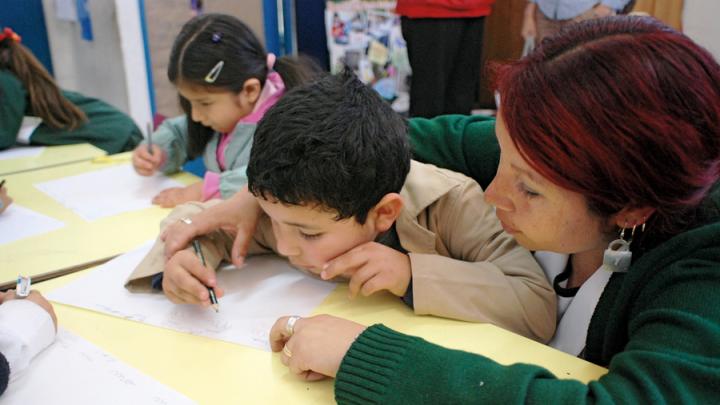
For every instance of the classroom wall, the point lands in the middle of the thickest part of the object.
(93, 68)
(700, 22)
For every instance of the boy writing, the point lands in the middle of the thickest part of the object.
(330, 167)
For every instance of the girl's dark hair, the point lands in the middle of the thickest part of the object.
(46, 100)
(210, 38)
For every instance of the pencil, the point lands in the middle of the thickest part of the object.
(213, 298)
(2, 183)
(149, 144)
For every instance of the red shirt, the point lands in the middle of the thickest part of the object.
(444, 8)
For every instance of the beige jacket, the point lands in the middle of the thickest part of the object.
(464, 266)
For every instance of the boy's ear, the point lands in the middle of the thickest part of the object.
(251, 90)
(386, 212)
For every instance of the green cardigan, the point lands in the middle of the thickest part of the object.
(107, 127)
(656, 328)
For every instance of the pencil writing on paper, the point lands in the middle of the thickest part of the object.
(199, 252)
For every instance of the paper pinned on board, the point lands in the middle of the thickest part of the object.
(265, 289)
(18, 222)
(107, 192)
(74, 371)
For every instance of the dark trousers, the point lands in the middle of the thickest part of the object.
(444, 56)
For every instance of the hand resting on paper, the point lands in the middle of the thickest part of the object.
(175, 196)
(317, 345)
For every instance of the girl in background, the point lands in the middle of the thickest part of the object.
(226, 81)
(27, 89)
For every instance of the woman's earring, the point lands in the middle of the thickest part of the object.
(617, 256)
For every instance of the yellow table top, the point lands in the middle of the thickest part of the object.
(50, 157)
(79, 242)
(216, 372)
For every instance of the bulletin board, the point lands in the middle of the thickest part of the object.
(366, 36)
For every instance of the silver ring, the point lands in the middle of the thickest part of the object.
(290, 325)
(186, 220)
(287, 351)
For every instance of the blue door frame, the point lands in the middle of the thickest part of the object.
(278, 16)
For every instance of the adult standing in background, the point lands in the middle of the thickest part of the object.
(444, 44)
(545, 17)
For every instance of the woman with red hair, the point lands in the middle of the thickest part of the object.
(609, 169)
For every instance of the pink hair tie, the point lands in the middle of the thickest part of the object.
(271, 60)
(9, 33)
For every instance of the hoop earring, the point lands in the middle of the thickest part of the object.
(617, 256)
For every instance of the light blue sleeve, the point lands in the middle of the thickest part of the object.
(231, 181)
(237, 155)
(171, 137)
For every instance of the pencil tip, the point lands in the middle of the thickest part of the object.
(216, 307)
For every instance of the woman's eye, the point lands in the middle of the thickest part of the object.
(528, 192)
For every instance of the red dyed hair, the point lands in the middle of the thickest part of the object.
(624, 110)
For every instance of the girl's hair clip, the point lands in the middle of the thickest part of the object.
(9, 33)
(214, 72)
(216, 37)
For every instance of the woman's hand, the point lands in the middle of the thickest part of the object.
(315, 346)
(237, 215)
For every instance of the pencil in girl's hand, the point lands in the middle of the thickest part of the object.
(149, 138)
(2, 183)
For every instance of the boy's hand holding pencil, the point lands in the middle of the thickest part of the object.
(187, 281)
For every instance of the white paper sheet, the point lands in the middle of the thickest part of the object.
(18, 222)
(106, 192)
(265, 289)
(21, 152)
(74, 371)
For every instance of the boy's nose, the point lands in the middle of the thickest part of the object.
(285, 247)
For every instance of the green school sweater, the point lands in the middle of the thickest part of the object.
(656, 328)
(107, 127)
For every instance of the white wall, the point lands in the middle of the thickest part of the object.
(701, 22)
(111, 67)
